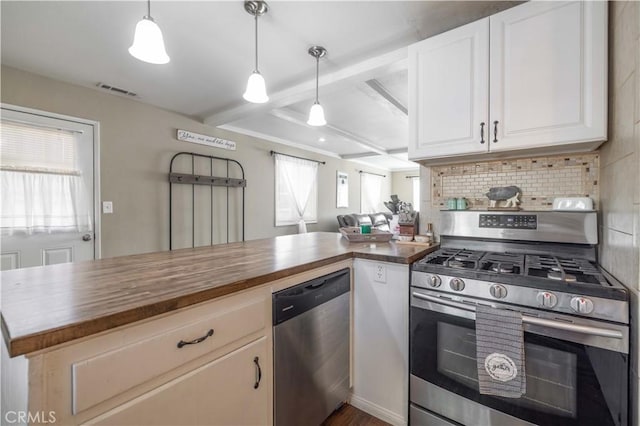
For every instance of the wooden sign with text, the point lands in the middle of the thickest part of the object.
(184, 135)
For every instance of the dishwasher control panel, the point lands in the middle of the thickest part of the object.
(300, 298)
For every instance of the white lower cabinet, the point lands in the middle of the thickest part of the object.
(381, 339)
(196, 366)
(226, 391)
(207, 364)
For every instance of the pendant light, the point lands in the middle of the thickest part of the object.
(148, 44)
(256, 89)
(316, 114)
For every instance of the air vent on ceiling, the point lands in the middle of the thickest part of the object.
(116, 90)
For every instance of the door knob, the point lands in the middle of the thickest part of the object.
(86, 237)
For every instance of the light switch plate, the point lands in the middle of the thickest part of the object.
(380, 273)
(107, 207)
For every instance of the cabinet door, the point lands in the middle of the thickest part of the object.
(548, 74)
(448, 92)
(221, 392)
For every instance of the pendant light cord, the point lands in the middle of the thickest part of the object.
(256, 18)
(149, 8)
(317, 76)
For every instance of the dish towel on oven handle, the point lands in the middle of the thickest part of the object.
(500, 352)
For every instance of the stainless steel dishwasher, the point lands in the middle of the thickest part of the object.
(311, 349)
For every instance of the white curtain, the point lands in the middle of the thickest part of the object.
(41, 188)
(370, 193)
(296, 191)
(42, 203)
(415, 184)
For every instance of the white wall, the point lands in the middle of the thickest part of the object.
(137, 142)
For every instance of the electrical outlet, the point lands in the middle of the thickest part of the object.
(380, 273)
(107, 207)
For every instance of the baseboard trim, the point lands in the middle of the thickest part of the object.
(377, 411)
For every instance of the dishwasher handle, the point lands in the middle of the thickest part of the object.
(301, 298)
(317, 285)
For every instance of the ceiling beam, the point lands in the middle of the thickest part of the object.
(358, 155)
(299, 119)
(398, 151)
(275, 139)
(382, 91)
(373, 154)
(362, 71)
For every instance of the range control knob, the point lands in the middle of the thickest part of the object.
(498, 291)
(456, 284)
(547, 299)
(434, 281)
(582, 305)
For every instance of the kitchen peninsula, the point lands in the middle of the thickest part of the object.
(94, 351)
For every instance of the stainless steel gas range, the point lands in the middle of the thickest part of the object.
(575, 320)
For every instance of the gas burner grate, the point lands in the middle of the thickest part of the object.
(567, 270)
(503, 263)
(456, 259)
(517, 265)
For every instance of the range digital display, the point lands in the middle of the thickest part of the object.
(509, 221)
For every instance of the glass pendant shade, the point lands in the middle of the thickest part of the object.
(316, 115)
(148, 44)
(256, 89)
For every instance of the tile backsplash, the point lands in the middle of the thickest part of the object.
(541, 179)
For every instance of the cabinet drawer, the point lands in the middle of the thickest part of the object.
(226, 391)
(101, 377)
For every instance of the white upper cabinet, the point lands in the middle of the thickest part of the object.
(448, 92)
(545, 87)
(548, 80)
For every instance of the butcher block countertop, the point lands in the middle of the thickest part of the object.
(46, 306)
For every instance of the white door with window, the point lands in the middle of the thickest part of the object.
(46, 189)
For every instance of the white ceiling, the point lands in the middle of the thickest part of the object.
(211, 48)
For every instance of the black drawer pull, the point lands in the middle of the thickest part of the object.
(256, 360)
(182, 343)
(495, 131)
(482, 132)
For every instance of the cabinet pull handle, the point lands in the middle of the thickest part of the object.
(182, 343)
(256, 361)
(495, 131)
(482, 132)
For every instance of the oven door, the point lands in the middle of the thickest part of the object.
(577, 370)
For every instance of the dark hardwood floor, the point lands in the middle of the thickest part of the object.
(349, 415)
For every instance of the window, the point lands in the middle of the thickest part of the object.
(296, 190)
(416, 193)
(370, 193)
(42, 187)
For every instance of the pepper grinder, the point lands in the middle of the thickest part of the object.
(429, 233)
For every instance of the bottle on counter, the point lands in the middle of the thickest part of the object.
(429, 233)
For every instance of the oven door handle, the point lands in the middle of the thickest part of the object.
(558, 325)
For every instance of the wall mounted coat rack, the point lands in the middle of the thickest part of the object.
(226, 197)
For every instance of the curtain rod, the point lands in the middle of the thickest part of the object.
(412, 177)
(369, 173)
(300, 158)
